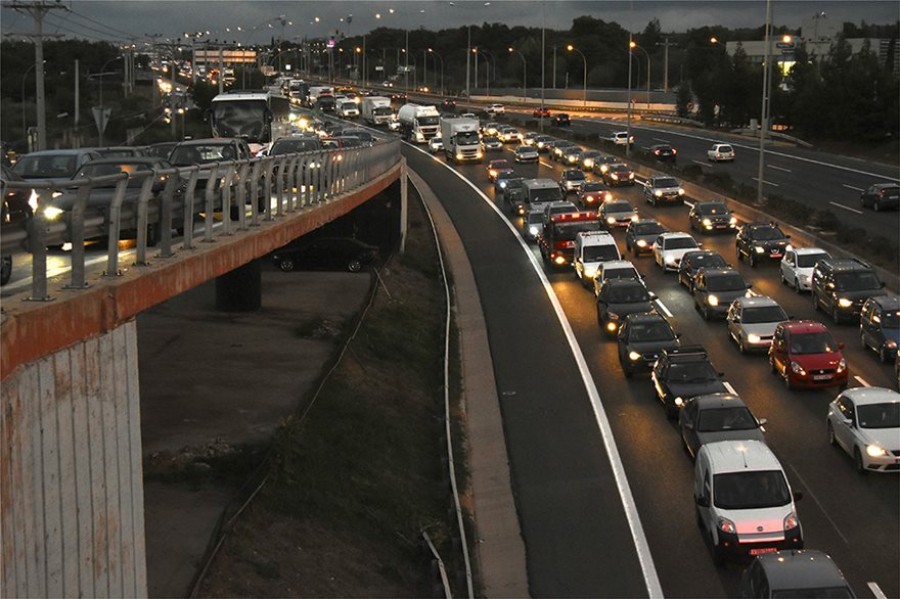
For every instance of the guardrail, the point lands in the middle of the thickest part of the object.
(244, 193)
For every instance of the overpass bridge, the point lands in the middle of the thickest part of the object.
(71, 489)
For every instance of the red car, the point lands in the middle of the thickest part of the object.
(542, 112)
(806, 355)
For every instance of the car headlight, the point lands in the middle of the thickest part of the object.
(33, 200)
(670, 259)
(615, 176)
(712, 300)
(631, 175)
(634, 356)
(658, 193)
(533, 231)
(845, 303)
(52, 212)
(641, 243)
(635, 218)
(875, 451)
(680, 191)
(791, 521)
(607, 197)
(611, 326)
(890, 344)
(611, 220)
(732, 221)
(753, 338)
(502, 184)
(491, 173)
(612, 316)
(797, 369)
(478, 154)
(679, 401)
(842, 366)
(588, 163)
(726, 526)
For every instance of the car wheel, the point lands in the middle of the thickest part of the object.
(6, 270)
(286, 264)
(788, 383)
(741, 346)
(831, 439)
(671, 412)
(883, 355)
(858, 460)
(815, 301)
(705, 312)
(797, 286)
(876, 206)
(354, 265)
(718, 556)
(752, 259)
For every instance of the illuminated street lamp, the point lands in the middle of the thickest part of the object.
(633, 44)
(524, 73)
(438, 56)
(572, 48)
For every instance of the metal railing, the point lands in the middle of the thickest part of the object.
(243, 194)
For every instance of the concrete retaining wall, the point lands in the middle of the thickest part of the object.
(71, 488)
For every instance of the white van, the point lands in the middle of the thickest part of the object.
(743, 501)
(591, 249)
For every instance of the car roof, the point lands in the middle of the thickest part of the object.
(756, 301)
(862, 396)
(717, 400)
(209, 141)
(150, 160)
(739, 456)
(803, 326)
(718, 271)
(674, 234)
(888, 302)
(687, 353)
(800, 569)
(646, 316)
(803, 251)
(609, 264)
(61, 152)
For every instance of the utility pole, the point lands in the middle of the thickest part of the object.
(37, 10)
(665, 44)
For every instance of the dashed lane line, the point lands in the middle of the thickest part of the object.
(766, 182)
(848, 208)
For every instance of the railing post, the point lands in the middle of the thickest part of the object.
(76, 235)
(254, 195)
(113, 228)
(143, 200)
(189, 208)
(164, 215)
(290, 171)
(268, 164)
(241, 201)
(208, 221)
(37, 238)
(226, 198)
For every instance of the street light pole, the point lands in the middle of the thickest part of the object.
(764, 111)
(524, 75)
(628, 120)
(647, 54)
(430, 50)
(24, 123)
(572, 48)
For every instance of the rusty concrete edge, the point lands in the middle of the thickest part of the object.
(31, 330)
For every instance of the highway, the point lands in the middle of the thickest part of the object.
(854, 518)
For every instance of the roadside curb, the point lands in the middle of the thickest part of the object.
(498, 539)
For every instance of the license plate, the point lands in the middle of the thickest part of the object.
(776, 254)
(761, 550)
(821, 377)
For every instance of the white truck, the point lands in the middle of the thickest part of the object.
(319, 91)
(418, 123)
(461, 141)
(376, 110)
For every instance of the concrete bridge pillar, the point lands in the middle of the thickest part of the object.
(71, 481)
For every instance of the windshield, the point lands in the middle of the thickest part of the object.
(737, 418)
(809, 260)
(573, 175)
(100, 170)
(692, 372)
(879, 415)
(469, 137)
(600, 253)
(856, 281)
(619, 168)
(707, 261)
(32, 167)
(680, 243)
(381, 110)
(568, 231)
(549, 194)
(628, 294)
(348, 105)
(493, 139)
(289, 146)
(428, 120)
(651, 331)
(751, 490)
(813, 343)
(763, 314)
(648, 229)
(617, 207)
(768, 233)
(241, 118)
(201, 154)
(535, 218)
(712, 209)
(593, 187)
(620, 273)
(726, 283)
(666, 182)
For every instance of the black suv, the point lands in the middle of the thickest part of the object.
(618, 298)
(841, 286)
(682, 373)
(642, 337)
(761, 240)
(560, 120)
(715, 289)
(711, 217)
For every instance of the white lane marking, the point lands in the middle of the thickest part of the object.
(701, 163)
(688, 203)
(778, 168)
(547, 164)
(664, 309)
(730, 388)
(853, 187)
(854, 210)
(660, 139)
(876, 590)
(808, 491)
(642, 548)
(862, 381)
(766, 182)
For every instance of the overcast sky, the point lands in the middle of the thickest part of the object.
(261, 19)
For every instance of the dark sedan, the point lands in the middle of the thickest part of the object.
(881, 196)
(642, 337)
(717, 417)
(716, 288)
(618, 298)
(710, 217)
(640, 235)
(683, 373)
(693, 261)
(664, 153)
(325, 253)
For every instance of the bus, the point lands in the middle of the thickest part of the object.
(259, 117)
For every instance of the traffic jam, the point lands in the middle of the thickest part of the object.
(683, 286)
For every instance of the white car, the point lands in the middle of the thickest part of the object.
(510, 135)
(797, 267)
(720, 153)
(496, 109)
(435, 144)
(615, 269)
(669, 248)
(621, 138)
(752, 320)
(617, 213)
(865, 422)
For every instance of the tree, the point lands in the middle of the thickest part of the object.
(683, 97)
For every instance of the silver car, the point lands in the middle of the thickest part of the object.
(865, 422)
(752, 321)
(717, 417)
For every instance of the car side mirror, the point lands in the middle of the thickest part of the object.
(798, 495)
(703, 501)
(699, 245)
(762, 422)
(787, 236)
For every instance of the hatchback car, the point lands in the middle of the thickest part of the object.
(571, 180)
(541, 112)
(504, 176)
(559, 147)
(619, 297)
(796, 573)
(492, 143)
(495, 109)
(881, 196)
(435, 144)
(664, 190)
(526, 154)
(752, 321)
(717, 417)
(720, 153)
(602, 163)
(542, 143)
(587, 159)
(664, 153)
(619, 174)
(642, 338)
(560, 120)
(669, 248)
(621, 138)
(330, 253)
(572, 156)
(806, 355)
(510, 135)
(593, 194)
(879, 326)
(712, 217)
(693, 261)
(716, 288)
(614, 269)
(798, 265)
(640, 235)
(617, 213)
(495, 166)
(53, 165)
(865, 422)
(534, 222)
(683, 373)
(761, 241)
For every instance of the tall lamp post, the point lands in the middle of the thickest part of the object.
(633, 44)
(439, 57)
(524, 73)
(102, 124)
(24, 123)
(764, 110)
(572, 48)
(628, 99)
